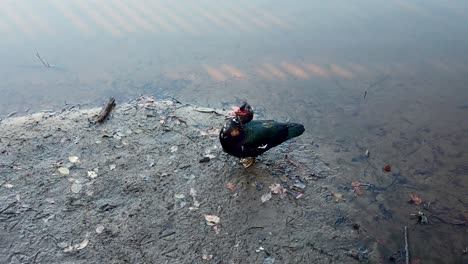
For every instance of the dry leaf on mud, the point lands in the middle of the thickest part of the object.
(416, 199)
(92, 174)
(74, 159)
(212, 219)
(179, 196)
(207, 257)
(338, 197)
(83, 244)
(388, 168)
(99, 229)
(266, 197)
(276, 188)
(217, 229)
(231, 186)
(79, 246)
(64, 171)
(8, 185)
(358, 190)
(76, 187)
(355, 184)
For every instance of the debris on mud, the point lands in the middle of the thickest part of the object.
(101, 117)
(422, 218)
(63, 170)
(212, 219)
(416, 199)
(231, 186)
(387, 168)
(266, 197)
(132, 189)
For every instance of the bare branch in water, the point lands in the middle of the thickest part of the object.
(43, 62)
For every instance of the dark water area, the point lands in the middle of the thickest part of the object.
(389, 77)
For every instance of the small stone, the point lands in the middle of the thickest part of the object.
(99, 229)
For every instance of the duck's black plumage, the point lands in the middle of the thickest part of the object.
(255, 137)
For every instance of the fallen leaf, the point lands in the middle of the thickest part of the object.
(64, 171)
(92, 174)
(8, 185)
(217, 229)
(79, 246)
(76, 187)
(212, 219)
(358, 190)
(276, 188)
(174, 148)
(112, 166)
(416, 199)
(355, 184)
(231, 186)
(99, 229)
(388, 168)
(74, 159)
(193, 192)
(83, 244)
(179, 196)
(68, 249)
(207, 257)
(266, 197)
(338, 197)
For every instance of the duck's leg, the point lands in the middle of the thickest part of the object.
(247, 162)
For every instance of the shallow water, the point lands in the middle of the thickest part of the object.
(388, 77)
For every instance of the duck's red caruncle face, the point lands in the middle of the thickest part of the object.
(241, 112)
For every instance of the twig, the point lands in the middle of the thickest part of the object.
(406, 246)
(106, 110)
(170, 250)
(11, 114)
(35, 257)
(379, 81)
(447, 222)
(174, 99)
(46, 64)
(8, 207)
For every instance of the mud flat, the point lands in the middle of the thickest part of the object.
(152, 185)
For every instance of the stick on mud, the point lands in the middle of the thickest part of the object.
(406, 246)
(106, 110)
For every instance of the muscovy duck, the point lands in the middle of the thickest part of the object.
(247, 139)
